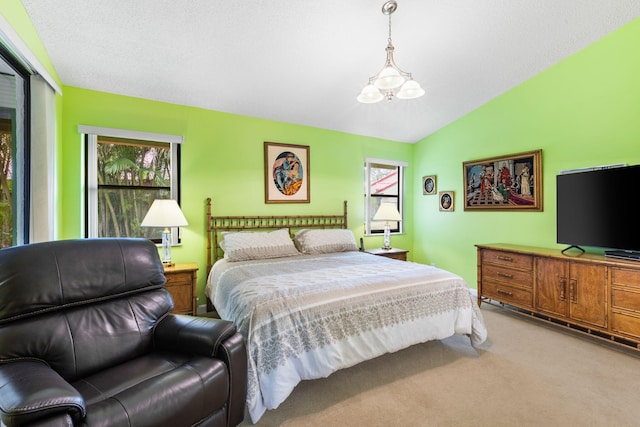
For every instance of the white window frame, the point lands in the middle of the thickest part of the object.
(367, 183)
(91, 133)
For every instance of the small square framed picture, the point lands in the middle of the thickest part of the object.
(446, 201)
(429, 184)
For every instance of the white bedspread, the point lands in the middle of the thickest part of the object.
(305, 317)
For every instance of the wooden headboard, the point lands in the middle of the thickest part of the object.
(217, 224)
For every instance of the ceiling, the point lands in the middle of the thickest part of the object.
(305, 61)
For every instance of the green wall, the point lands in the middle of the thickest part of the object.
(584, 111)
(222, 158)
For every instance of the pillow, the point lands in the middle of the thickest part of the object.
(325, 241)
(245, 246)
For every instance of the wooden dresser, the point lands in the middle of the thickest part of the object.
(182, 279)
(585, 292)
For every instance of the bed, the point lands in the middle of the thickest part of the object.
(308, 303)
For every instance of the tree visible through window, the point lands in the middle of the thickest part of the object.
(6, 171)
(15, 160)
(130, 175)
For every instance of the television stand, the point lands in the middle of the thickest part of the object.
(590, 293)
(634, 256)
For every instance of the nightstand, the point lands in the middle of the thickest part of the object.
(182, 279)
(395, 253)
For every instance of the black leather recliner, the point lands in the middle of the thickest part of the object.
(86, 338)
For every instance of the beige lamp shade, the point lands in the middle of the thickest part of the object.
(387, 212)
(164, 213)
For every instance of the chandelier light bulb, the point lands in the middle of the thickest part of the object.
(370, 95)
(389, 78)
(410, 90)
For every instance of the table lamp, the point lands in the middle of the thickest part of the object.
(165, 213)
(387, 212)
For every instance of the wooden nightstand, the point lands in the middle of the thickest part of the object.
(182, 279)
(395, 253)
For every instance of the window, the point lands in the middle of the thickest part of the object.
(14, 151)
(384, 183)
(126, 172)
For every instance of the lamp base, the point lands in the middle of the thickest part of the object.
(168, 263)
(387, 237)
(166, 247)
(386, 248)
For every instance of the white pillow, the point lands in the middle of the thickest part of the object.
(245, 246)
(325, 241)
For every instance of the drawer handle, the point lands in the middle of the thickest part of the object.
(508, 276)
(507, 293)
(505, 258)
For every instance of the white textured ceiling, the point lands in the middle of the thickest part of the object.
(305, 61)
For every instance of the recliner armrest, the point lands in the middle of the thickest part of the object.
(213, 338)
(31, 391)
(234, 354)
(197, 335)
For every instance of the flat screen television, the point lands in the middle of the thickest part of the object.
(598, 208)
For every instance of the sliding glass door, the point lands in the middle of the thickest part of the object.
(14, 153)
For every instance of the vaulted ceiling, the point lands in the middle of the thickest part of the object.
(305, 61)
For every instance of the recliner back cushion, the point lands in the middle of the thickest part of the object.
(80, 305)
(49, 276)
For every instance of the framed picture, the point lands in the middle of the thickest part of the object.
(429, 184)
(512, 182)
(446, 201)
(286, 173)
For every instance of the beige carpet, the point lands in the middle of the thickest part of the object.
(526, 374)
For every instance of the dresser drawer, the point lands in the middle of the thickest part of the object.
(510, 276)
(507, 294)
(625, 277)
(399, 256)
(626, 299)
(625, 323)
(180, 279)
(524, 262)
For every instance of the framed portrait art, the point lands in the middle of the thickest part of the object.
(445, 201)
(429, 184)
(512, 182)
(286, 173)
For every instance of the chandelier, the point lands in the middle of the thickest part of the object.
(390, 81)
